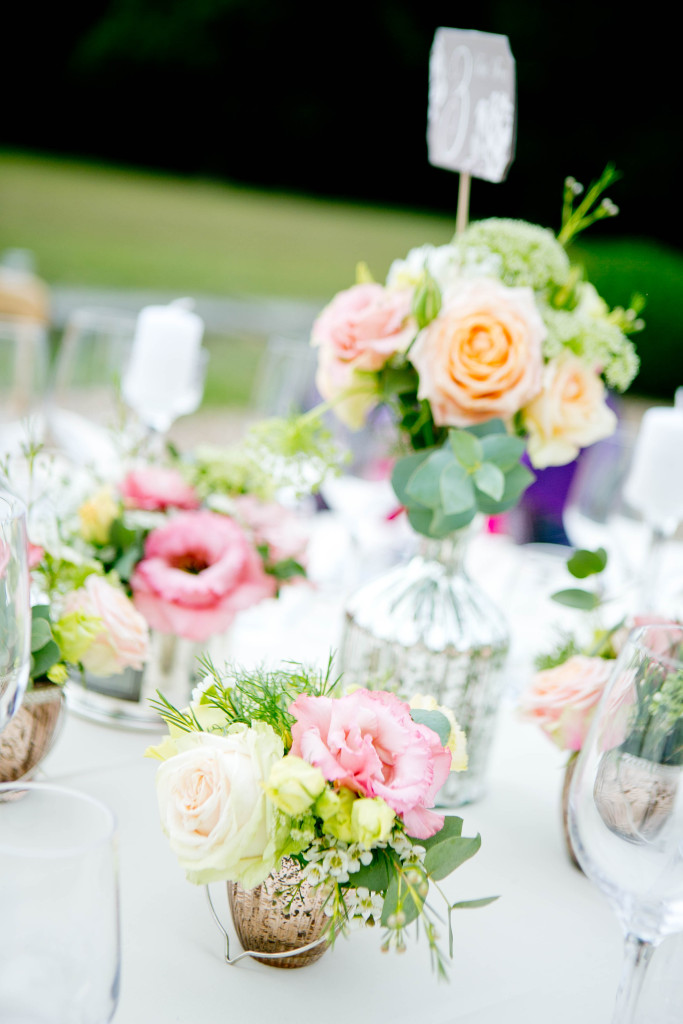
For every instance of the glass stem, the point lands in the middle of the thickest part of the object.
(637, 955)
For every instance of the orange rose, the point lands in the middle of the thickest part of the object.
(481, 357)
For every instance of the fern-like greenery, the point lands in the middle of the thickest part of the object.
(250, 695)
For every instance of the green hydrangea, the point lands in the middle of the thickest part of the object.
(530, 256)
(595, 339)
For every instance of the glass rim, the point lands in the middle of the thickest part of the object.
(637, 638)
(77, 849)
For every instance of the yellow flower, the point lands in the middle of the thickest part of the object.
(335, 807)
(371, 821)
(97, 515)
(294, 784)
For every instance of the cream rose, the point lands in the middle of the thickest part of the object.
(123, 639)
(214, 808)
(481, 357)
(570, 413)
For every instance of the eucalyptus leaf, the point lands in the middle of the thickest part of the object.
(43, 660)
(40, 611)
(374, 876)
(434, 720)
(125, 564)
(452, 829)
(399, 898)
(466, 447)
(516, 482)
(456, 489)
(424, 485)
(503, 450)
(403, 470)
(41, 634)
(421, 520)
(488, 428)
(490, 480)
(575, 598)
(442, 525)
(587, 563)
(445, 857)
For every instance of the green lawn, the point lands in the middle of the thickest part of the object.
(109, 227)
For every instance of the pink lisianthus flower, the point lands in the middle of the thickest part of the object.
(367, 742)
(562, 700)
(155, 488)
(272, 526)
(199, 570)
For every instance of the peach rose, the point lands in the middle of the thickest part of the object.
(124, 637)
(562, 700)
(481, 357)
(570, 413)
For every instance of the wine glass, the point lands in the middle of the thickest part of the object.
(15, 609)
(23, 377)
(59, 939)
(626, 800)
(86, 416)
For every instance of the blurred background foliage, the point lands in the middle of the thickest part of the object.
(325, 110)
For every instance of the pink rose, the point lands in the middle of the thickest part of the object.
(199, 570)
(273, 526)
(156, 488)
(123, 642)
(562, 700)
(360, 329)
(368, 742)
(481, 358)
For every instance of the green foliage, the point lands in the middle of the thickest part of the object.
(584, 600)
(565, 648)
(473, 470)
(435, 721)
(251, 695)
(45, 652)
(656, 727)
(587, 563)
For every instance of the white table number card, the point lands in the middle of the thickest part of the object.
(472, 103)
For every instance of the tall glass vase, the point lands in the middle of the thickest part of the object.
(426, 627)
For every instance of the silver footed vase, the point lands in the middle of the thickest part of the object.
(426, 628)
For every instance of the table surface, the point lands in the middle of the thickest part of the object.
(548, 950)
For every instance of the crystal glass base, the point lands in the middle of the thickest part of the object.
(426, 628)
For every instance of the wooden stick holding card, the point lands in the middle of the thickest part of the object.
(472, 109)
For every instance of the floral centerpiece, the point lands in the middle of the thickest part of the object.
(495, 355)
(486, 347)
(132, 568)
(564, 693)
(267, 766)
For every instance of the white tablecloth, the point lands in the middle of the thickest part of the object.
(549, 950)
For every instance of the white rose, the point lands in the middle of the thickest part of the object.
(441, 262)
(214, 808)
(124, 639)
(568, 414)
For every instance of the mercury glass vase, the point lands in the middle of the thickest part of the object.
(281, 915)
(425, 627)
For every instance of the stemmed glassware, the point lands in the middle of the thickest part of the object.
(15, 610)
(59, 916)
(626, 800)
